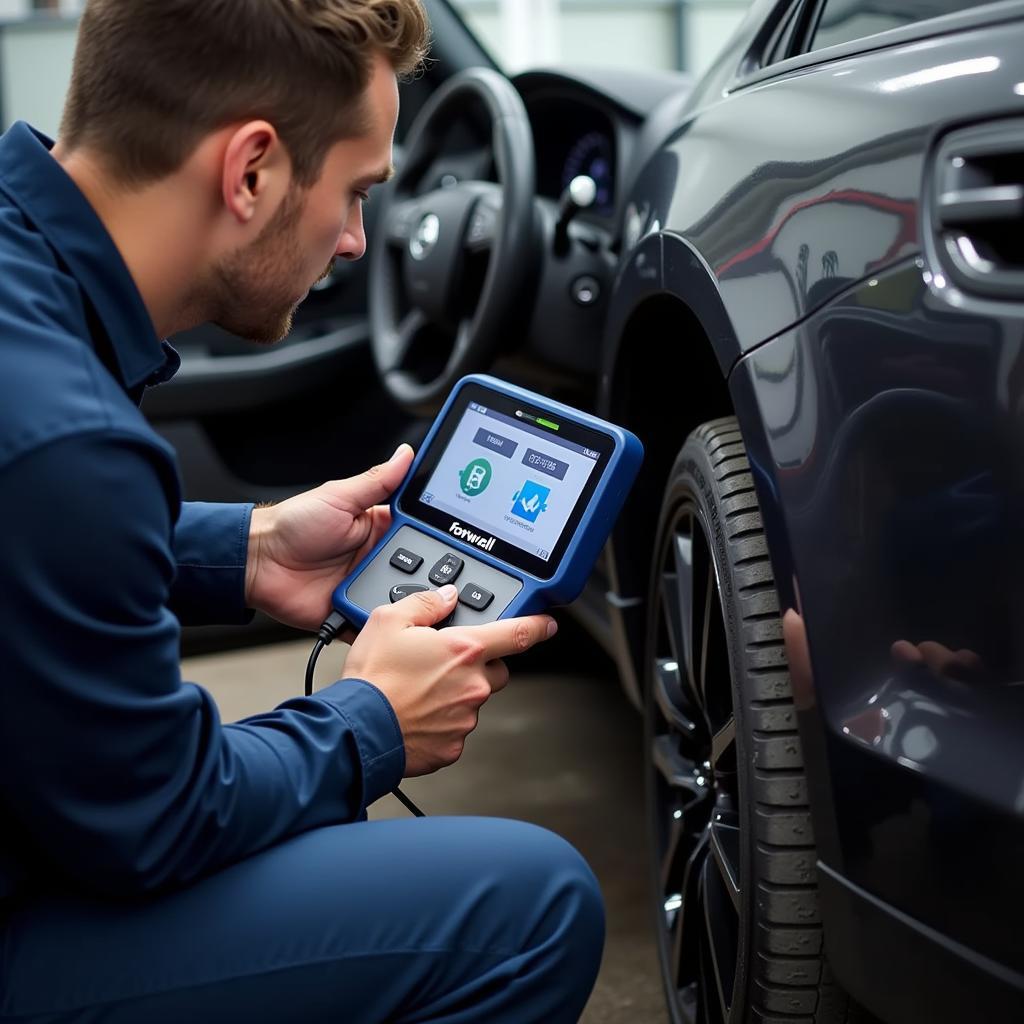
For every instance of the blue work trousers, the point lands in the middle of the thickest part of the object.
(438, 919)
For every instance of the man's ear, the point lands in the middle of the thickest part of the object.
(256, 172)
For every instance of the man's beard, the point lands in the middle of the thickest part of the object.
(251, 292)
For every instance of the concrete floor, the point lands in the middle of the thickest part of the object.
(574, 744)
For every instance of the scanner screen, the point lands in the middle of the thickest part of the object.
(511, 477)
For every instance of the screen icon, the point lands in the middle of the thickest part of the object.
(475, 477)
(530, 501)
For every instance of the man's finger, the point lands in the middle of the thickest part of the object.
(512, 636)
(424, 608)
(969, 659)
(377, 484)
(936, 656)
(904, 650)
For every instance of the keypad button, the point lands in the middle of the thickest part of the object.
(404, 590)
(446, 570)
(406, 561)
(475, 597)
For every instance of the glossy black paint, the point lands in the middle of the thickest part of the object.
(888, 446)
(788, 213)
(785, 220)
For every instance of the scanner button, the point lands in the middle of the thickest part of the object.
(404, 590)
(475, 597)
(406, 561)
(446, 570)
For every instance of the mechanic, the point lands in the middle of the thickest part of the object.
(156, 865)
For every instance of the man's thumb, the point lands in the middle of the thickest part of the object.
(428, 606)
(376, 485)
(391, 473)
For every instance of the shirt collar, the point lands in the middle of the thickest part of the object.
(45, 193)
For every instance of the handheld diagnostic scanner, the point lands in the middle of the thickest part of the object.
(511, 498)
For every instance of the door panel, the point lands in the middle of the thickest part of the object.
(894, 441)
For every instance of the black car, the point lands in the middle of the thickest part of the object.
(801, 282)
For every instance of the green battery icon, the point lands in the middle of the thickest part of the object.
(536, 419)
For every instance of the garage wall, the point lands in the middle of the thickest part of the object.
(26, 8)
(35, 68)
(36, 47)
(661, 34)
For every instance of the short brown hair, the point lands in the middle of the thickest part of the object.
(152, 77)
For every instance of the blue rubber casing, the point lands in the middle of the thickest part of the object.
(584, 547)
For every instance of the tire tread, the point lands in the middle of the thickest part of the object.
(788, 979)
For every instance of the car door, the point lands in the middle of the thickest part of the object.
(881, 240)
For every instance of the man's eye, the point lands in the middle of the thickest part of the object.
(363, 197)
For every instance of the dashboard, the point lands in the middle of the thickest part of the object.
(590, 121)
(573, 139)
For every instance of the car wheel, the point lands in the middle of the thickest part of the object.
(733, 864)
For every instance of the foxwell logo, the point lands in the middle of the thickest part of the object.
(480, 540)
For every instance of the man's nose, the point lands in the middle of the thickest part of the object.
(352, 243)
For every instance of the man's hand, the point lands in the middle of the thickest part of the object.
(301, 549)
(962, 665)
(437, 680)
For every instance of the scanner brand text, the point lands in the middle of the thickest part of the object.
(480, 540)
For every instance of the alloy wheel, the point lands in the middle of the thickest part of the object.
(693, 784)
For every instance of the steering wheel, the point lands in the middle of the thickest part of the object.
(436, 242)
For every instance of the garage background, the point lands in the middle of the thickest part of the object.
(37, 39)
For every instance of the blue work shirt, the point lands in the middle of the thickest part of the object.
(115, 774)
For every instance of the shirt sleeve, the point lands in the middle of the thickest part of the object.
(115, 771)
(211, 544)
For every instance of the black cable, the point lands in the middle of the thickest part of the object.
(332, 626)
(408, 803)
(311, 666)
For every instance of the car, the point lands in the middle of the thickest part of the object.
(800, 280)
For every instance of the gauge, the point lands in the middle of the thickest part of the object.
(592, 155)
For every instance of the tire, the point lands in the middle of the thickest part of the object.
(733, 866)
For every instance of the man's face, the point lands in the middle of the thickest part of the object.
(258, 287)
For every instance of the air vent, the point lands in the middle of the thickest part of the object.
(978, 209)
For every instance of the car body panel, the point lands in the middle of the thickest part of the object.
(887, 441)
(881, 409)
(786, 220)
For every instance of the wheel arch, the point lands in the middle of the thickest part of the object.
(664, 380)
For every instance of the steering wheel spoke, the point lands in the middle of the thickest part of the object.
(482, 229)
(403, 218)
(402, 340)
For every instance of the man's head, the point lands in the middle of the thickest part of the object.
(279, 113)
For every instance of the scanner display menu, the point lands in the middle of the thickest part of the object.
(510, 478)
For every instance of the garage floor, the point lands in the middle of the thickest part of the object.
(560, 746)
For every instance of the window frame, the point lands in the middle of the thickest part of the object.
(756, 70)
(788, 29)
(813, 23)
